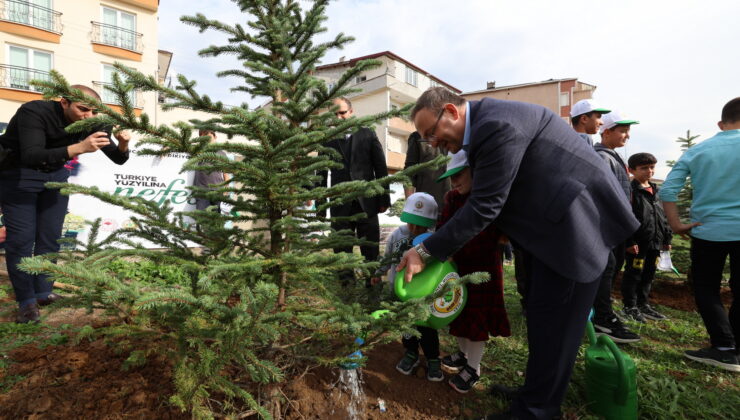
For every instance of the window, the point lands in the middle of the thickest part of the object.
(35, 13)
(108, 96)
(360, 79)
(434, 83)
(119, 29)
(412, 76)
(564, 99)
(27, 64)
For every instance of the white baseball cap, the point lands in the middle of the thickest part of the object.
(614, 119)
(458, 163)
(585, 106)
(420, 209)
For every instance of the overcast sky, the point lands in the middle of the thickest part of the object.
(671, 65)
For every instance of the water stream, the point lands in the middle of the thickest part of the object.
(350, 383)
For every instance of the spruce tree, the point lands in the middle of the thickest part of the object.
(254, 304)
(686, 195)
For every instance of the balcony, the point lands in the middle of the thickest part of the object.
(117, 41)
(14, 82)
(30, 20)
(109, 98)
(401, 126)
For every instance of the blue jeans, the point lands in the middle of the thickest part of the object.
(34, 216)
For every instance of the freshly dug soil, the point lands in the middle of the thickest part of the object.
(317, 395)
(85, 382)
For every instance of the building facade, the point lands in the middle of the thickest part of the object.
(393, 84)
(556, 94)
(81, 39)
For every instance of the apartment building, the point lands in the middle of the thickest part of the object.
(79, 38)
(556, 94)
(395, 83)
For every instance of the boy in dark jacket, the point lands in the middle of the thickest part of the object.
(643, 248)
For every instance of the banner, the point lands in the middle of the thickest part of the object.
(154, 179)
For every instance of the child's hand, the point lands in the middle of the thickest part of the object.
(375, 280)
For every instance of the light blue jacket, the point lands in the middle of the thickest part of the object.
(714, 168)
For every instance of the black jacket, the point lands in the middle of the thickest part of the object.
(363, 160)
(36, 139)
(654, 232)
(426, 181)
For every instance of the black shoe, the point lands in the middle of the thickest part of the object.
(28, 313)
(504, 391)
(650, 313)
(409, 362)
(464, 381)
(615, 330)
(434, 372)
(725, 359)
(453, 363)
(52, 298)
(634, 314)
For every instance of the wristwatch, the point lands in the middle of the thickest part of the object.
(423, 253)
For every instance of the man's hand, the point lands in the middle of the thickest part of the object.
(123, 138)
(413, 264)
(92, 143)
(634, 249)
(671, 213)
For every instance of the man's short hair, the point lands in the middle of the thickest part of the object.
(731, 111)
(86, 90)
(574, 121)
(346, 101)
(639, 159)
(434, 99)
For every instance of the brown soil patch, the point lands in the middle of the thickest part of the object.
(85, 382)
(318, 396)
(673, 294)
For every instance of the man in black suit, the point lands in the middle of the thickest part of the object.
(363, 160)
(548, 191)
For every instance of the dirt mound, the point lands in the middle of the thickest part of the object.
(86, 382)
(318, 396)
(673, 294)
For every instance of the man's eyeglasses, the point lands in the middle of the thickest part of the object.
(432, 136)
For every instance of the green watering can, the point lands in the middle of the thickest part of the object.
(611, 386)
(432, 279)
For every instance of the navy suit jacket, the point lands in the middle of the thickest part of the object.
(543, 186)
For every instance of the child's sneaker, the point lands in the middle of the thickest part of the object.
(650, 313)
(464, 381)
(634, 314)
(453, 363)
(408, 363)
(434, 372)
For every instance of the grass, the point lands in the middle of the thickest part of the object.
(669, 386)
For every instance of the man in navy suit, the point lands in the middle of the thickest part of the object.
(548, 191)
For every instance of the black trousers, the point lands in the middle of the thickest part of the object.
(33, 216)
(707, 263)
(429, 342)
(368, 229)
(638, 277)
(557, 311)
(603, 302)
